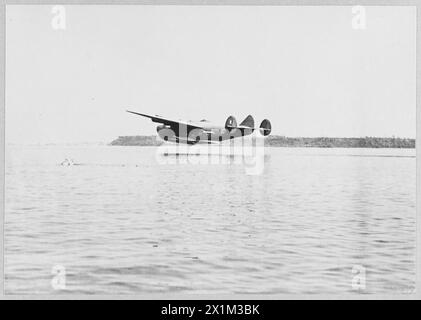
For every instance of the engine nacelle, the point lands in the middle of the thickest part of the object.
(165, 132)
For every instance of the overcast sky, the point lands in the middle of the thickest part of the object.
(304, 68)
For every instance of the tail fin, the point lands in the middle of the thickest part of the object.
(265, 127)
(248, 122)
(231, 123)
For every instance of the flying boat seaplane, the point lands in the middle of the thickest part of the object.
(203, 131)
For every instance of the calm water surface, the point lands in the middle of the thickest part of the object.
(124, 221)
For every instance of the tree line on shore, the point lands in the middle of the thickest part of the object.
(282, 141)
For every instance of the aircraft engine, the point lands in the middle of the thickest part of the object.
(165, 132)
(231, 123)
(265, 127)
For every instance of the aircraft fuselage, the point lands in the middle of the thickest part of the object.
(184, 134)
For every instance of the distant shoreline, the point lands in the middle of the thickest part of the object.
(282, 141)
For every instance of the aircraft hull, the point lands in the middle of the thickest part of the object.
(199, 136)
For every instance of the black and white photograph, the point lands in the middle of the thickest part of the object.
(210, 150)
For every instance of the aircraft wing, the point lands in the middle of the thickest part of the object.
(168, 122)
